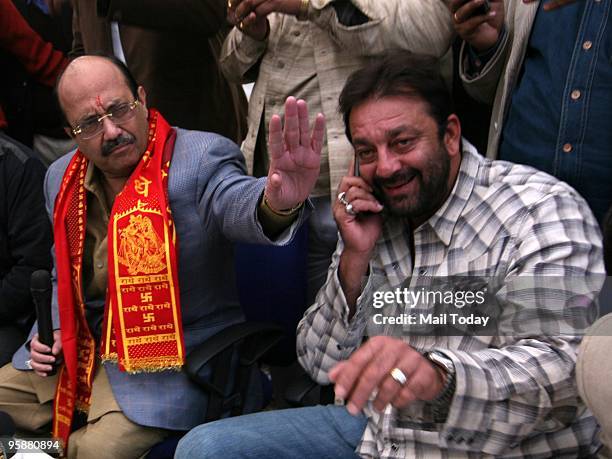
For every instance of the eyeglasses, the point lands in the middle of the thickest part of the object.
(119, 114)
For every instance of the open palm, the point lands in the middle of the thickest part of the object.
(295, 155)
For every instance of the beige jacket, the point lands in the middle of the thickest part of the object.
(495, 83)
(312, 59)
(593, 374)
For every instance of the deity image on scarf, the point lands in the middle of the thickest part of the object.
(141, 250)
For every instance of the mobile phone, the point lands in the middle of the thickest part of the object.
(481, 10)
(356, 173)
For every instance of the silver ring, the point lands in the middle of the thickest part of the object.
(342, 198)
(349, 209)
(399, 376)
(28, 364)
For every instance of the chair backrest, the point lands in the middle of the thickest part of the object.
(272, 288)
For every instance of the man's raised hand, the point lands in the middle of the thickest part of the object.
(295, 155)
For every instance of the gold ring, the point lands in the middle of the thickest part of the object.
(240, 25)
(229, 4)
(399, 376)
(455, 17)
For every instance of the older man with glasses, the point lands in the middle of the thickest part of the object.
(144, 217)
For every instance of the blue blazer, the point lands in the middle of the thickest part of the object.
(214, 203)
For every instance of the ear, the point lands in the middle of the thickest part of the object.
(452, 135)
(142, 96)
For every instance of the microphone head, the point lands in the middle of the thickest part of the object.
(40, 280)
(7, 425)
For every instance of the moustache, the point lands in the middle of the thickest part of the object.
(400, 177)
(110, 145)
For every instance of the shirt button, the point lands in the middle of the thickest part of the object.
(281, 64)
(575, 95)
(422, 271)
(587, 45)
(394, 446)
(296, 33)
(495, 125)
(395, 266)
(567, 148)
(100, 265)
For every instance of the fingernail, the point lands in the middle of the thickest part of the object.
(352, 408)
(492, 13)
(340, 392)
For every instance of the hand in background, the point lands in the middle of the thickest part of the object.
(481, 32)
(241, 15)
(264, 7)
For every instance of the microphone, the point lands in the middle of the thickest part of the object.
(40, 287)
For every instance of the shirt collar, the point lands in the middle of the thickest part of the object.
(93, 184)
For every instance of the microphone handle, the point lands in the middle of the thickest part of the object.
(45, 325)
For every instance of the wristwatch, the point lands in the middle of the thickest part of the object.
(441, 403)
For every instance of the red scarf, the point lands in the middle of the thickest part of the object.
(142, 318)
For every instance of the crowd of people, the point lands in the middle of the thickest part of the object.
(140, 164)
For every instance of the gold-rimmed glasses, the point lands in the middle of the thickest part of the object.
(92, 126)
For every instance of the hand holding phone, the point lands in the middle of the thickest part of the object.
(479, 11)
(478, 22)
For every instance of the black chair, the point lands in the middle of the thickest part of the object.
(272, 287)
(272, 291)
(304, 391)
(232, 357)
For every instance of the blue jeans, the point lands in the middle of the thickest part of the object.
(312, 432)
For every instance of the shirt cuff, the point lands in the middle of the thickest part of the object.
(476, 61)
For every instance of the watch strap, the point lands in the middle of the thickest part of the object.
(441, 404)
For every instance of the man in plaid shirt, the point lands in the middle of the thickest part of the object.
(422, 203)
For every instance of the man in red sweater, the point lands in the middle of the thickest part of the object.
(37, 56)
